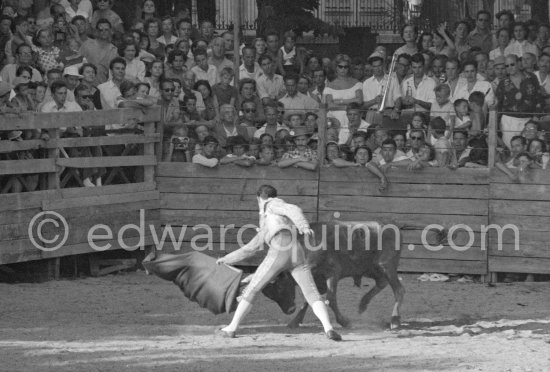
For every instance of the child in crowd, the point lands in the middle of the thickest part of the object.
(333, 134)
(442, 106)
(238, 148)
(425, 158)
(208, 157)
(288, 54)
(142, 90)
(282, 133)
(267, 156)
(266, 139)
(311, 122)
(280, 149)
(254, 148)
(190, 113)
(295, 120)
(442, 145)
(418, 122)
(476, 103)
(301, 157)
(223, 91)
(462, 110)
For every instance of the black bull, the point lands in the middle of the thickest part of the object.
(341, 250)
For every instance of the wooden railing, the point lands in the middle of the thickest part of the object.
(80, 207)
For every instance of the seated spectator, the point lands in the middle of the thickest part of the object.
(295, 120)
(400, 140)
(333, 134)
(389, 158)
(295, 101)
(227, 126)
(418, 122)
(352, 123)
(48, 53)
(267, 139)
(110, 90)
(156, 74)
(462, 115)
(478, 156)
(211, 111)
(135, 68)
(21, 100)
(270, 85)
(254, 148)
(531, 131)
(267, 156)
(88, 72)
(23, 57)
(357, 140)
(282, 134)
(417, 91)
(442, 106)
(248, 119)
(311, 123)
(70, 55)
(425, 158)
(537, 148)
(237, 148)
(208, 157)
(224, 92)
(59, 103)
(176, 67)
(271, 126)
(460, 146)
(302, 157)
(201, 132)
(417, 138)
(247, 92)
(190, 115)
(379, 137)
(476, 103)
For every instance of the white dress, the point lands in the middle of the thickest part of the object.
(336, 94)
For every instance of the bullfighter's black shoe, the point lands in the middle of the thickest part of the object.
(332, 335)
(225, 334)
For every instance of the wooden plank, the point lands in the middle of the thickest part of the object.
(190, 170)
(18, 216)
(49, 205)
(492, 126)
(25, 200)
(228, 202)
(54, 178)
(408, 219)
(540, 250)
(533, 177)
(234, 186)
(404, 205)
(119, 139)
(446, 253)
(406, 190)
(92, 210)
(460, 238)
(212, 217)
(8, 256)
(519, 207)
(31, 120)
(128, 188)
(27, 166)
(149, 150)
(523, 223)
(519, 192)
(10, 146)
(520, 265)
(425, 176)
(443, 266)
(509, 237)
(107, 161)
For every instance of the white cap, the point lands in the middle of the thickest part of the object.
(72, 71)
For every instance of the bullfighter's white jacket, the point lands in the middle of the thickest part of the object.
(276, 215)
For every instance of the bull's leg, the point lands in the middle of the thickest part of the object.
(381, 283)
(299, 318)
(399, 294)
(332, 285)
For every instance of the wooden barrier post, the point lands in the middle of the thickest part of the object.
(149, 149)
(492, 141)
(322, 133)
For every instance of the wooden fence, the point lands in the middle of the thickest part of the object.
(80, 207)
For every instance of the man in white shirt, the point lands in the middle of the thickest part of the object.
(218, 55)
(59, 103)
(543, 74)
(203, 70)
(270, 86)
(250, 68)
(294, 101)
(352, 123)
(373, 87)
(473, 84)
(23, 57)
(109, 91)
(418, 90)
(271, 126)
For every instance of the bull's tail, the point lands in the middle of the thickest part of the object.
(442, 235)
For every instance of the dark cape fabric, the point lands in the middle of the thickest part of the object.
(212, 286)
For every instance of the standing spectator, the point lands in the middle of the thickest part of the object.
(167, 36)
(88, 72)
(270, 85)
(442, 145)
(100, 52)
(170, 115)
(250, 68)
(203, 70)
(23, 57)
(185, 29)
(135, 68)
(409, 34)
(343, 90)
(110, 90)
(482, 36)
(521, 45)
(81, 8)
(442, 42)
(104, 11)
(518, 97)
(80, 26)
(418, 90)
(48, 53)
(59, 103)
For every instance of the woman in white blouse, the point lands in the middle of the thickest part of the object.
(135, 68)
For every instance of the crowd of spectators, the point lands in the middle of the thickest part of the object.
(77, 55)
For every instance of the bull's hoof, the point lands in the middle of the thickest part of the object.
(344, 322)
(395, 322)
(293, 324)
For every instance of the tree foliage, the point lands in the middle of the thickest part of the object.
(295, 15)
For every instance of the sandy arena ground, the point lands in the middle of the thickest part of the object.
(137, 322)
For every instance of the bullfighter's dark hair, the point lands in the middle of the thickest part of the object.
(267, 191)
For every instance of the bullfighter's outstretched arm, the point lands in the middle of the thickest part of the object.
(241, 254)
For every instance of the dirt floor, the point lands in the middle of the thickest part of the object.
(137, 322)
